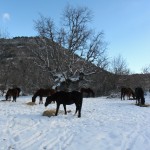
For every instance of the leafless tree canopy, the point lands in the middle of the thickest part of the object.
(119, 66)
(4, 33)
(146, 69)
(71, 49)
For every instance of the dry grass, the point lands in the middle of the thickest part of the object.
(146, 105)
(31, 103)
(51, 112)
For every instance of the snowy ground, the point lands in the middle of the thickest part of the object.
(105, 124)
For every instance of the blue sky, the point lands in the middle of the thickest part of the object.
(126, 23)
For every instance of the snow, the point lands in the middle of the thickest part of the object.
(105, 124)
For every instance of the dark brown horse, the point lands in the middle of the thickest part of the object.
(89, 91)
(139, 94)
(66, 98)
(14, 93)
(127, 92)
(42, 93)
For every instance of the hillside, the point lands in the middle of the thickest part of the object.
(18, 69)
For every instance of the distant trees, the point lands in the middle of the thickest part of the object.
(119, 66)
(71, 50)
(146, 69)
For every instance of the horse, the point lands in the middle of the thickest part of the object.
(127, 92)
(66, 98)
(139, 93)
(42, 93)
(89, 91)
(14, 93)
(19, 90)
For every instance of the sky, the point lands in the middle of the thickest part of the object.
(125, 23)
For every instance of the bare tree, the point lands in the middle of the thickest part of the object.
(119, 66)
(146, 69)
(71, 50)
(4, 33)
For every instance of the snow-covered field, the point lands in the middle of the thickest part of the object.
(105, 124)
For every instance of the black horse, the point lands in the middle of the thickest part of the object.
(14, 93)
(42, 93)
(66, 98)
(139, 93)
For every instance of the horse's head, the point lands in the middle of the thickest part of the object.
(48, 100)
(33, 99)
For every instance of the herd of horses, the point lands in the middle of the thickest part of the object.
(137, 94)
(74, 97)
(60, 97)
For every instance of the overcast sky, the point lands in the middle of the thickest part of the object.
(126, 23)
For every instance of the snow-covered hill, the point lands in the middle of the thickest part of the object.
(105, 124)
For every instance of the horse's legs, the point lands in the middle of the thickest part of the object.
(130, 95)
(122, 95)
(14, 99)
(6, 97)
(41, 100)
(65, 109)
(80, 107)
(9, 98)
(57, 108)
(138, 101)
(76, 110)
(79, 111)
(142, 101)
